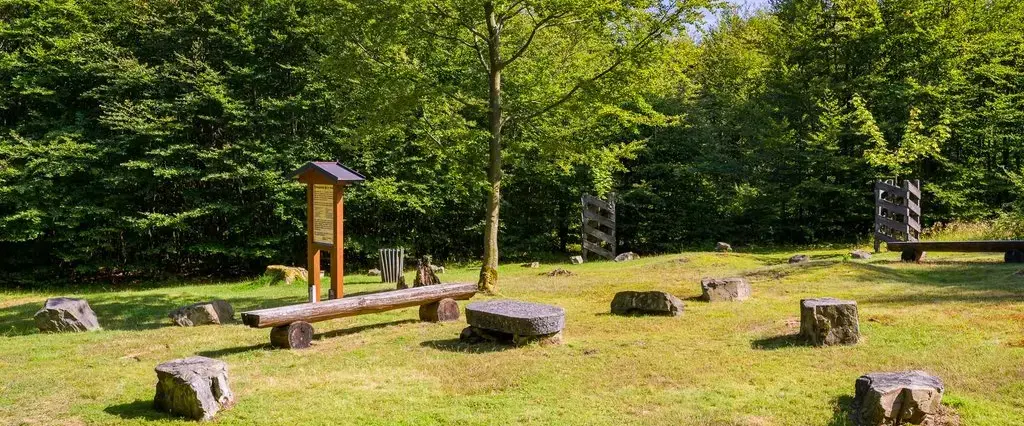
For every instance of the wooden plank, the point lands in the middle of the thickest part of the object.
(914, 207)
(338, 254)
(989, 246)
(913, 224)
(588, 215)
(598, 250)
(892, 207)
(602, 204)
(594, 232)
(351, 306)
(912, 188)
(899, 226)
(892, 189)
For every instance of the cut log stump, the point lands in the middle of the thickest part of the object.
(912, 255)
(296, 335)
(443, 310)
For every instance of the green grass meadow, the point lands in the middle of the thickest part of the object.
(958, 316)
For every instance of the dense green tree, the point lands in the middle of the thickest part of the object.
(516, 70)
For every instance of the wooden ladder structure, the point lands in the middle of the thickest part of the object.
(897, 211)
(598, 226)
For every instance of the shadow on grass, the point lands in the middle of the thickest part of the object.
(217, 353)
(359, 329)
(781, 270)
(968, 281)
(142, 410)
(779, 342)
(456, 345)
(119, 311)
(843, 408)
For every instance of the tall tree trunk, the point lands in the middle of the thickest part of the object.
(489, 270)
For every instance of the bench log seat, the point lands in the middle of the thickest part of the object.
(912, 251)
(291, 323)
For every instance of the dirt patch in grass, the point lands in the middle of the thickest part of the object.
(882, 319)
(777, 272)
(559, 273)
(1019, 343)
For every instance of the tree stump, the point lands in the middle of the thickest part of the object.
(443, 310)
(913, 397)
(827, 321)
(195, 387)
(911, 255)
(296, 335)
(425, 273)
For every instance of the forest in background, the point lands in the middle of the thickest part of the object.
(142, 138)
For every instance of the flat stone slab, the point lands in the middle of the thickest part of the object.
(828, 321)
(66, 314)
(646, 303)
(212, 312)
(901, 397)
(195, 387)
(724, 289)
(516, 317)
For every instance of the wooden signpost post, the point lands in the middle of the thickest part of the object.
(325, 213)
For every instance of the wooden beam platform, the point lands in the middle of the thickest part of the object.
(351, 306)
(913, 251)
(990, 246)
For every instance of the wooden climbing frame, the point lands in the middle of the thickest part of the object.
(598, 226)
(897, 211)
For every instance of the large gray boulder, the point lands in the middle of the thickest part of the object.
(724, 289)
(646, 303)
(513, 321)
(195, 387)
(897, 398)
(212, 312)
(65, 314)
(627, 256)
(828, 321)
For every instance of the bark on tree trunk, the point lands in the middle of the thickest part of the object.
(489, 270)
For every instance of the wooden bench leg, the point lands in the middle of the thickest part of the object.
(296, 335)
(912, 255)
(443, 310)
(1014, 256)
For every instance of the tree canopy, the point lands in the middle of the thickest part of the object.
(145, 138)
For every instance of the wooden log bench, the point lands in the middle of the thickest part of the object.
(912, 251)
(291, 324)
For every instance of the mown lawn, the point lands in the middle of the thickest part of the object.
(958, 316)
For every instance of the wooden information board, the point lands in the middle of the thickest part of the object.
(323, 214)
